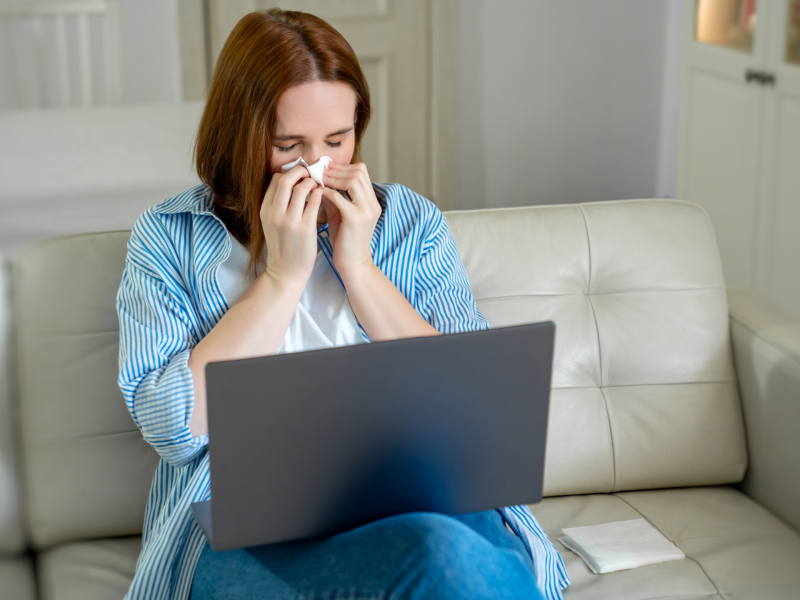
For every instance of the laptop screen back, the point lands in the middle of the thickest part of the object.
(318, 442)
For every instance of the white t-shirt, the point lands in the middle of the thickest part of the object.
(323, 317)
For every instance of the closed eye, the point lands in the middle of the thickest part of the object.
(286, 148)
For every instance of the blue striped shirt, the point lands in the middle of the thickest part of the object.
(169, 300)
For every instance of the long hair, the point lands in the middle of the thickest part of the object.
(266, 54)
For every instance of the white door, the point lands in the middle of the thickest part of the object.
(740, 138)
(393, 42)
(779, 274)
(721, 134)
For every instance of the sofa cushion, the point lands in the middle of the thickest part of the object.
(96, 570)
(16, 578)
(88, 470)
(644, 389)
(734, 547)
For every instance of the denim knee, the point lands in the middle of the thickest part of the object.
(436, 535)
(448, 560)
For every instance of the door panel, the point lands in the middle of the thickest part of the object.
(721, 165)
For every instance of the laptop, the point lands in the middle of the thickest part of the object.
(314, 443)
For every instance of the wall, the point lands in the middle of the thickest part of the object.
(567, 101)
(671, 99)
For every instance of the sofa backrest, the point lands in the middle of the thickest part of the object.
(87, 468)
(644, 391)
(12, 537)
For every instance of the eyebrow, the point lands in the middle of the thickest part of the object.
(285, 138)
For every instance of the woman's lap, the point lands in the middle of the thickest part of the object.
(410, 556)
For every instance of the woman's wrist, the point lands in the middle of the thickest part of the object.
(287, 286)
(359, 274)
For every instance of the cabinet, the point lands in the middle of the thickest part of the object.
(739, 151)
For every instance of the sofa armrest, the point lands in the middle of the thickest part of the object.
(766, 346)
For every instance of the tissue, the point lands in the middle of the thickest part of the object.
(314, 170)
(621, 545)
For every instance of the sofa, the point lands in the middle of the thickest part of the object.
(673, 399)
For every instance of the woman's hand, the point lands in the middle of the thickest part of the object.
(257, 322)
(350, 224)
(290, 226)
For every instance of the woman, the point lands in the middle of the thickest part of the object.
(255, 261)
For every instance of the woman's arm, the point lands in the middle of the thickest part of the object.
(155, 341)
(256, 324)
(381, 309)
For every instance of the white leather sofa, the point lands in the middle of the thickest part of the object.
(670, 402)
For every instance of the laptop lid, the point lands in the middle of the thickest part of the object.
(313, 443)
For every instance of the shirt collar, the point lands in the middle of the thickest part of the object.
(197, 200)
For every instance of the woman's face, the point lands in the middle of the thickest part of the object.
(314, 120)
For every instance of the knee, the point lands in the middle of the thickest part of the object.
(441, 539)
(454, 561)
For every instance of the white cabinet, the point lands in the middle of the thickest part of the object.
(739, 151)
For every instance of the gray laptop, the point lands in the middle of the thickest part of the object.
(314, 443)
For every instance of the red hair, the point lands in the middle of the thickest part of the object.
(266, 54)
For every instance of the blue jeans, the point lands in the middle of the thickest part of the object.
(411, 556)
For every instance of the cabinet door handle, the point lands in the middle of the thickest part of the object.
(752, 75)
(761, 77)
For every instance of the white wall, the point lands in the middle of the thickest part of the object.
(670, 100)
(566, 101)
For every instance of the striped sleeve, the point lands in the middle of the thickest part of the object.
(550, 572)
(443, 292)
(155, 343)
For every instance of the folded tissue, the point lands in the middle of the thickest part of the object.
(314, 170)
(620, 545)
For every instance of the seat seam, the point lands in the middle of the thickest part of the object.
(626, 385)
(611, 436)
(711, 581)
(623, 293)
(710, 595)
(611, 387)
(599, 353)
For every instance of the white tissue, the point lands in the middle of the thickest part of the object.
(620, 545)
(314, 170)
